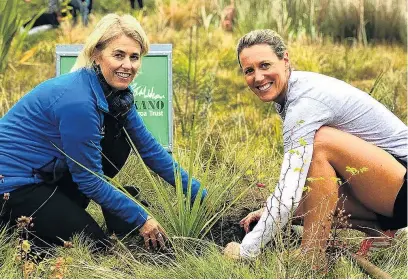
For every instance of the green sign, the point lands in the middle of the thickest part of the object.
(152, 88)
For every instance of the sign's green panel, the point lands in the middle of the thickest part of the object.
(151, 87)
(66, 64)
(151, 96)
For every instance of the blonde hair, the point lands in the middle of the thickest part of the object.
(109, 28)
(259, 37)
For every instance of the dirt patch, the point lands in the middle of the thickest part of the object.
(227, 229)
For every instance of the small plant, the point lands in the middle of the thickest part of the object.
(178, 214)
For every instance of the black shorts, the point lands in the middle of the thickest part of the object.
(399, 218)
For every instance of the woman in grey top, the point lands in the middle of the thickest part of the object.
(330, 130)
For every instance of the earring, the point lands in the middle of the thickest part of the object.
(96, 67)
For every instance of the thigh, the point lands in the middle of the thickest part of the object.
(379, 176)
(70, 189)
(55, 216)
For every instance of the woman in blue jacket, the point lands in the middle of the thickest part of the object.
(75, 121)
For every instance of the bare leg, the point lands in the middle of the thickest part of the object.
(361, 218)
(373, 191)
(318, 204)
(371, 228)
(351, 205)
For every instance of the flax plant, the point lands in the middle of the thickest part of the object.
(10, 22)
(182, 217)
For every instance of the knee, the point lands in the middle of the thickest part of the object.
(324, 135)
(322, 141)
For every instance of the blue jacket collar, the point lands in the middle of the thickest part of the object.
(97, 90)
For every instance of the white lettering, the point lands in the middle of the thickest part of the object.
(156, 113)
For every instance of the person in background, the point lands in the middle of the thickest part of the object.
(59, 140)
(132, 4)
(330, 129)
(51, 18)
(228, 15)
(84, 8)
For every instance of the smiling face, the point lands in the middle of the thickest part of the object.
(119, 61)
(265, 74)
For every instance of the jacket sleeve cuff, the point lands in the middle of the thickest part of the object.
(247, 254)
(141, 218)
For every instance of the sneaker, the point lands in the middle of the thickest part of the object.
(372, 244)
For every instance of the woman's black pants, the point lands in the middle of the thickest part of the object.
(58, 209)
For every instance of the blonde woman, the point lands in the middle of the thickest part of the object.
(82, 115)
(328, 126)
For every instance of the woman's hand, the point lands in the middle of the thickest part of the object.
(251, 217)
(152, 231)
(231, 251)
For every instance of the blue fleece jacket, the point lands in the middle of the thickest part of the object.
(68, 111)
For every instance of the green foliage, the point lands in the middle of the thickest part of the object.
(176, 212)
(10, 23)
(302, 142)
(79, 262)
(393, 260)
(11, 38)
(194, 78)
(65, 10)
(354, 171)
(313, 19)
(21, 37)
(123, 6)
(107, 6)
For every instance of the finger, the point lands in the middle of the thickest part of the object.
(163, 233)
(160, 238)
(246, 223)
(154, 240)
(246, 227)
(242, 222)
(146, 242)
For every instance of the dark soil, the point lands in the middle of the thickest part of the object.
(228, 230)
